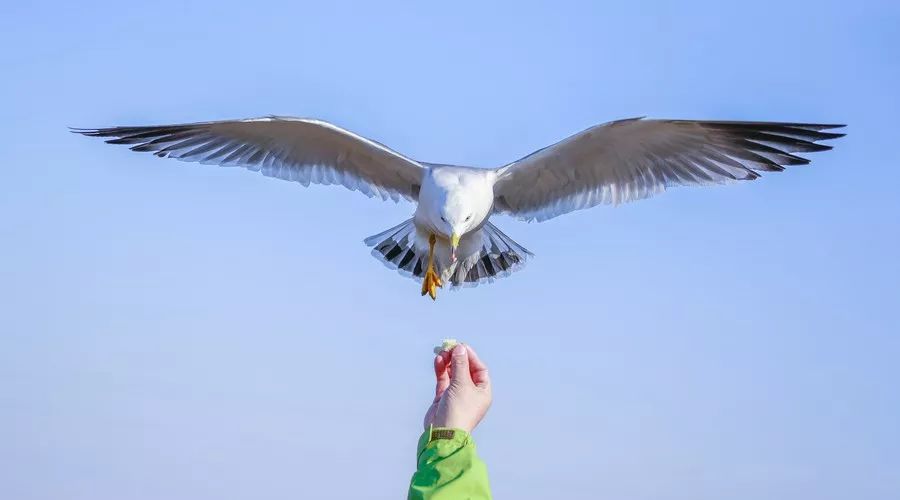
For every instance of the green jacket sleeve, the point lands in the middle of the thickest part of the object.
(448, 468)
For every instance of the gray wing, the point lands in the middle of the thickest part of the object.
(295, 149)
(632, 159)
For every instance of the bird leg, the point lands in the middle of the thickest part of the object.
(431, 281)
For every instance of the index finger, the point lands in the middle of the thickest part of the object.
(442, 376)
(477, 368)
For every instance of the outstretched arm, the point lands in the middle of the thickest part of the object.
(448, 466)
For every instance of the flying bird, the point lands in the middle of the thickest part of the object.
(450, 237)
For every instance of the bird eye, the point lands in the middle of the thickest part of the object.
(443, 219)
(469, 217)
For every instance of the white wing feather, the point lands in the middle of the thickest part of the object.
(632, 159)
(295, 149)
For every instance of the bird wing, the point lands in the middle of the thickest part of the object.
(295, 149)
(632, 159)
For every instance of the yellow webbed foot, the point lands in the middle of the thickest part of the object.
(432, 281)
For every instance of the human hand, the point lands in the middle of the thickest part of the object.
(462, 391)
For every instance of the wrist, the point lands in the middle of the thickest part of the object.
(452, 423)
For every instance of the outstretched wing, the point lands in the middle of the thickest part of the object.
(631, 159)
(295, 149)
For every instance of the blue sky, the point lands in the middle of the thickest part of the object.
(179, 331)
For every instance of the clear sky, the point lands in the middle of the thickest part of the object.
(179, 331)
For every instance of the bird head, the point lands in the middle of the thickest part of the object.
(461, 205)
(457, 221)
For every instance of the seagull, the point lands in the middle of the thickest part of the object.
(450, 238)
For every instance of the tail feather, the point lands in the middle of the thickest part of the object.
(498, 257)
(495, 256)
(396, 248)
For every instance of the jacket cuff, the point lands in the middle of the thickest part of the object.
(442, 441)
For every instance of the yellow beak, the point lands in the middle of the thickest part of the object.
(454, 243)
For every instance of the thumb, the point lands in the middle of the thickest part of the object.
(460, 362)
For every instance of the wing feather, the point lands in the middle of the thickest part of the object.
(632, 159)
(295, 149)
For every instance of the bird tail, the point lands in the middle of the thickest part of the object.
(494, 255)
(498, 256)
(396, 248)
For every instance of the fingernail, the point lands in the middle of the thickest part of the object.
(460, 350)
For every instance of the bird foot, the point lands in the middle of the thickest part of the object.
(431, 283)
